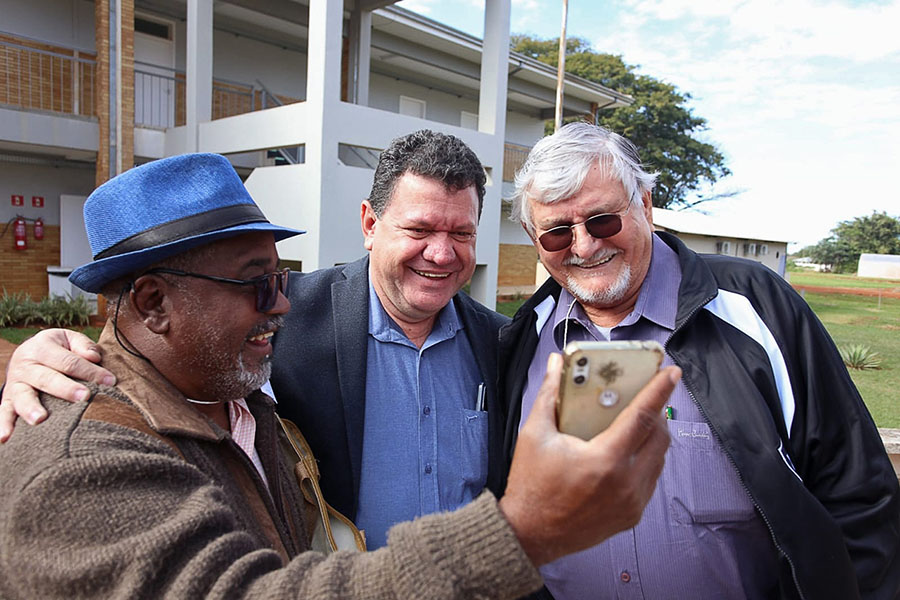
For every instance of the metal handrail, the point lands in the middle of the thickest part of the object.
(74, 57)
(69, 88)
(266, 93)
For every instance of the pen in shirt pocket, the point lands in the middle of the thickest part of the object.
(479, 400)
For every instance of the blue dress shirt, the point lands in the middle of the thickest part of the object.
(424, 442)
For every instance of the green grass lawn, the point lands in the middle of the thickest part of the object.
(857, 320)
(17, 335)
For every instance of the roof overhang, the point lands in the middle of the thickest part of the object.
(695, 223)
(410, 47)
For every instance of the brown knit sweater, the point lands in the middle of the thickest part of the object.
(136, 495)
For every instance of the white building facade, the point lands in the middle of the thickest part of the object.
(300, 95)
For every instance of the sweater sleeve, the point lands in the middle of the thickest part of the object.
(124, 518)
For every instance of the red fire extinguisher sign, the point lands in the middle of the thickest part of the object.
(17, 200)
(39, 229)
(37, 201)
(19, 231)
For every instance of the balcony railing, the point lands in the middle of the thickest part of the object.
(40, 76)
(514, 157)
(159, 97)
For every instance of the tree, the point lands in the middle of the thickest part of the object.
(877, 233)
(660, 124)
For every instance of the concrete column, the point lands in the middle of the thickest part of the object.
(360, 51)
(492, 120)
(199, 71)
(323, 92)
(494, 68)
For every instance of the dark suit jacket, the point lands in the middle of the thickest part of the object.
(319, 373)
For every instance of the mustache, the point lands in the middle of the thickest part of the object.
(271, 324)
(577, 261)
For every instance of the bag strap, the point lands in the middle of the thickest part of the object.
(306, 469)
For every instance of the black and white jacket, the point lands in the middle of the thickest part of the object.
(771, 384)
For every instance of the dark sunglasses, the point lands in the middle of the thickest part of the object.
(267, 286)
(599, 226)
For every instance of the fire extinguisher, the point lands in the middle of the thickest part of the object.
(39, 229)
(19, 231)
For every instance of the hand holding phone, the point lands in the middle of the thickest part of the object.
(599, 379)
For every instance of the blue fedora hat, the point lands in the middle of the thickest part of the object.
(164, 208)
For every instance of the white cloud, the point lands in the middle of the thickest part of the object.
(803, 96)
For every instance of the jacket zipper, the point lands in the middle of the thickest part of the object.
(728, 455)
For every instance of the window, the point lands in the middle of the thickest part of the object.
(763, 249)
(412, 107)
(468, 120)
(723, 247)
(154, 28)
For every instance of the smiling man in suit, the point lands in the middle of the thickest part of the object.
(411, 359)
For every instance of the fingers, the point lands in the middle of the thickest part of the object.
(544, 410)
(48, 372)
(633, 426)
(7, 420)
(47, 362)
(81, 345)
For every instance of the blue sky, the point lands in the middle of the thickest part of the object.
(802, 96)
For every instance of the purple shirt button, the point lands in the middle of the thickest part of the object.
(428, 469)
(427, 410)
(625, 577)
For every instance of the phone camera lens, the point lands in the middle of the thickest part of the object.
(579, 379)
(582, 361)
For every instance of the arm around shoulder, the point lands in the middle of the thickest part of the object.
(123, 516)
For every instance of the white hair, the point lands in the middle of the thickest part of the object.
(558, 164)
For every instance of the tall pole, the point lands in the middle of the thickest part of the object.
(561, 69)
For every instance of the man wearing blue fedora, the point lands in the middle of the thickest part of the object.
(409, 360)
(171, 482)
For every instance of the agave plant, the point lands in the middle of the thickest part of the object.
(858, 356)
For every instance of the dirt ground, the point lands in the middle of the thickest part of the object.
(852, 291)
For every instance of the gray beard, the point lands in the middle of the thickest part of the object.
(605, 297)
(230, 377)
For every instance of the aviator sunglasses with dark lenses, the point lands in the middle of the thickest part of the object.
(599, 226)
(267, 286)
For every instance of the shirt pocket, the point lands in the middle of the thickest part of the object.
(701, 483)
(473, 450)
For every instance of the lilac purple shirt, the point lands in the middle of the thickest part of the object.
(700, 535)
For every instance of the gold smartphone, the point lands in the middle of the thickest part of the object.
(599, 379)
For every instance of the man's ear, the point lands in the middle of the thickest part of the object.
(369, 222)
(647, 200)
(150, 299)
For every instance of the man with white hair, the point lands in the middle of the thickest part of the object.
(776, 483)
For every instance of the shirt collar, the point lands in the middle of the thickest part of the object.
(383, 328)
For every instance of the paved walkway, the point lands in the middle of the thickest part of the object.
(6, 349)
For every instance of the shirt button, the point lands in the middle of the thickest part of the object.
(428, 469)
(427, 410)
(625, 577)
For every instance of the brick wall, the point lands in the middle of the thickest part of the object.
(516, 265)
(26, 270)
(102, 93)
